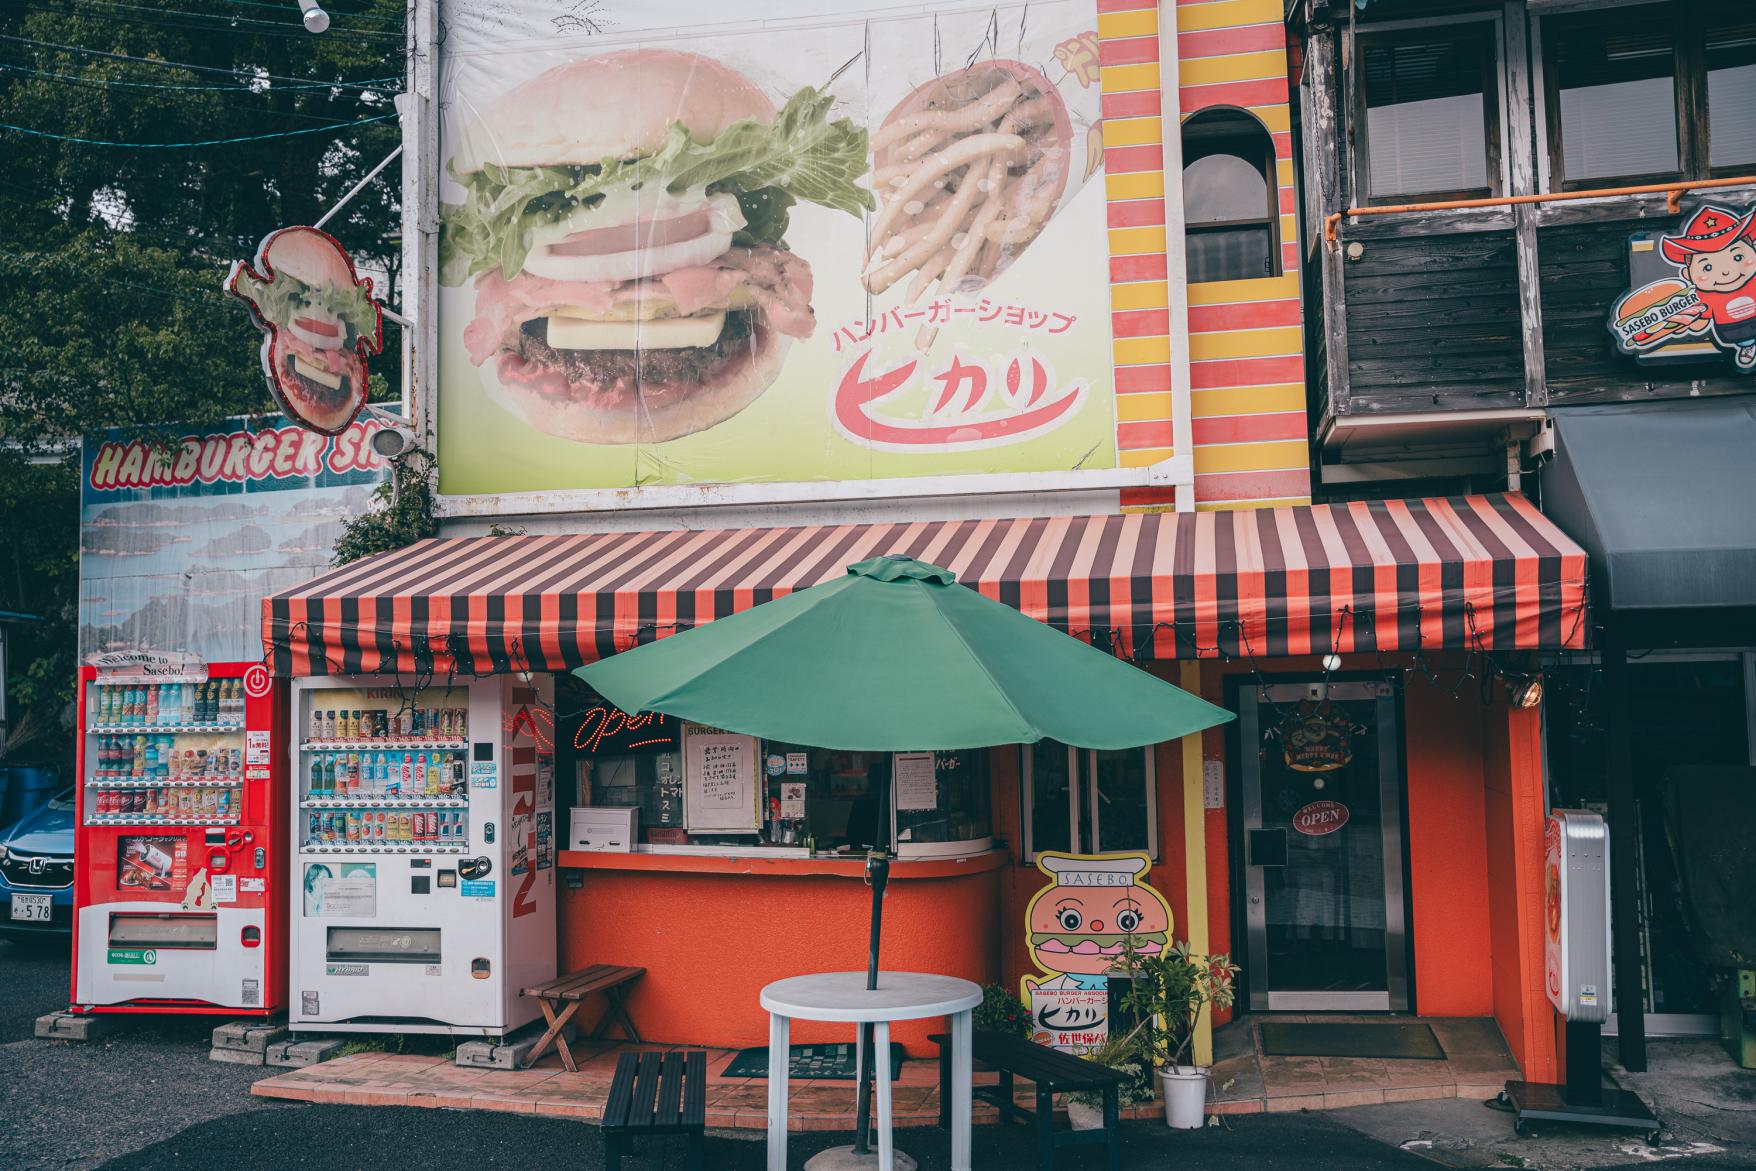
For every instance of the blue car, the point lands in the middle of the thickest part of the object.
(36, 872)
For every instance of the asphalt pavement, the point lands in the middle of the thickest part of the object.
(148, 1097)
(338, 1137)
(70, 1104)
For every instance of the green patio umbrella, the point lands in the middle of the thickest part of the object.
(895, 657)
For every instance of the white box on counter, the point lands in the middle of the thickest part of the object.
(612, 828)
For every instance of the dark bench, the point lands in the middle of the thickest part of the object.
(569, 992)
(657, 1093)
(1054, 1072)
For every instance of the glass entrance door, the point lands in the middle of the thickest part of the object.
(1322, 820)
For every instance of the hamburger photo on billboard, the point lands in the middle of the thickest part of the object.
(623, 225)
(319, 322)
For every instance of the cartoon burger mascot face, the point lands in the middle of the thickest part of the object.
(318, 321)
(1717, 254)
(1079, 926)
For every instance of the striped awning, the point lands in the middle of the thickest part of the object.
(1486, 572)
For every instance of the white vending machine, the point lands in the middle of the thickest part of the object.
(423, 854)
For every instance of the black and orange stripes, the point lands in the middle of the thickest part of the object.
(1461, 572)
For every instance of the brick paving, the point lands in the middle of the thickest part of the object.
(1244, 1082)
(1477, 1065)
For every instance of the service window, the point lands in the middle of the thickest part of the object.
(1427, 102)
(1089, 801)
(927, 803)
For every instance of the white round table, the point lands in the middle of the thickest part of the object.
(843, 996)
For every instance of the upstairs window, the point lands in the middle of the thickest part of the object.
(1230, 204)
(1650, 94)
(1425, 100)
(1731, 96)
(1615, 100)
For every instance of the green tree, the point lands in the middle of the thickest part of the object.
(111, 256)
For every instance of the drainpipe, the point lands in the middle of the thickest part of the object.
(1176, 264)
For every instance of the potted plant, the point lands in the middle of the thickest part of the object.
(1126, 1054)
(1168, 992)
(1002, 1012)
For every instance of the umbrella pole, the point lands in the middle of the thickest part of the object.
(878, 874)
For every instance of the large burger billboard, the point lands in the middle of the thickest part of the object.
(681, 251)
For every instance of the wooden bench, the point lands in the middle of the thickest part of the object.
(1054, 1072)
(568, 992)
(657, 1093)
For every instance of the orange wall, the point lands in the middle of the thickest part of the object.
(1515, 814)
(1448, 852)
(710, 941)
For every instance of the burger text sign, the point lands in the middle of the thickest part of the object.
(319, 321)
(1694, 291)
(823, 248)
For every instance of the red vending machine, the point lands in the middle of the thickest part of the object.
(180, 899)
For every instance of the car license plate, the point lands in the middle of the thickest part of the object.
(32, 908)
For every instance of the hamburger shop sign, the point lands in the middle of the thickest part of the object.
(1693, 291)
(680, 248)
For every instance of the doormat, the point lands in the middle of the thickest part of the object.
(1350, 1039)
(824, 1061)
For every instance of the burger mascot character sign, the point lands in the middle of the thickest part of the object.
(318, 321)
(1095, 905)
(1712, 296)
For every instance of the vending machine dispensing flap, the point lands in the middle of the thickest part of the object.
(165, 930)
(384, 945)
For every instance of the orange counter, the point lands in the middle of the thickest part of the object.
(711, 931)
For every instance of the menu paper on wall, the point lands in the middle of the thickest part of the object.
(917, 785)
(719, 782)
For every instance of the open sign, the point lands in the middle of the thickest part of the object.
(1320, 817)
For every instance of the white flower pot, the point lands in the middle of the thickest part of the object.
(1185, 1094)
(1085, 1115)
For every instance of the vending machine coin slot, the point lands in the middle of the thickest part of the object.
(473, 868)
(261, 858)
(488, 831)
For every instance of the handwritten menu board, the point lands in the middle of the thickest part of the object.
(719, 782)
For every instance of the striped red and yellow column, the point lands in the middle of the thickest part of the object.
(1245, 343)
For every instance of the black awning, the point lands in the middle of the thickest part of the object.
(1663, 497)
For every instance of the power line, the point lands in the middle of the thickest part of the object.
(95, 83)
(329, 7)
(243, 89)
(203, 142)
(164, 64)
(193, 21)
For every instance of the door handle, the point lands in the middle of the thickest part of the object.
(1266, 847)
